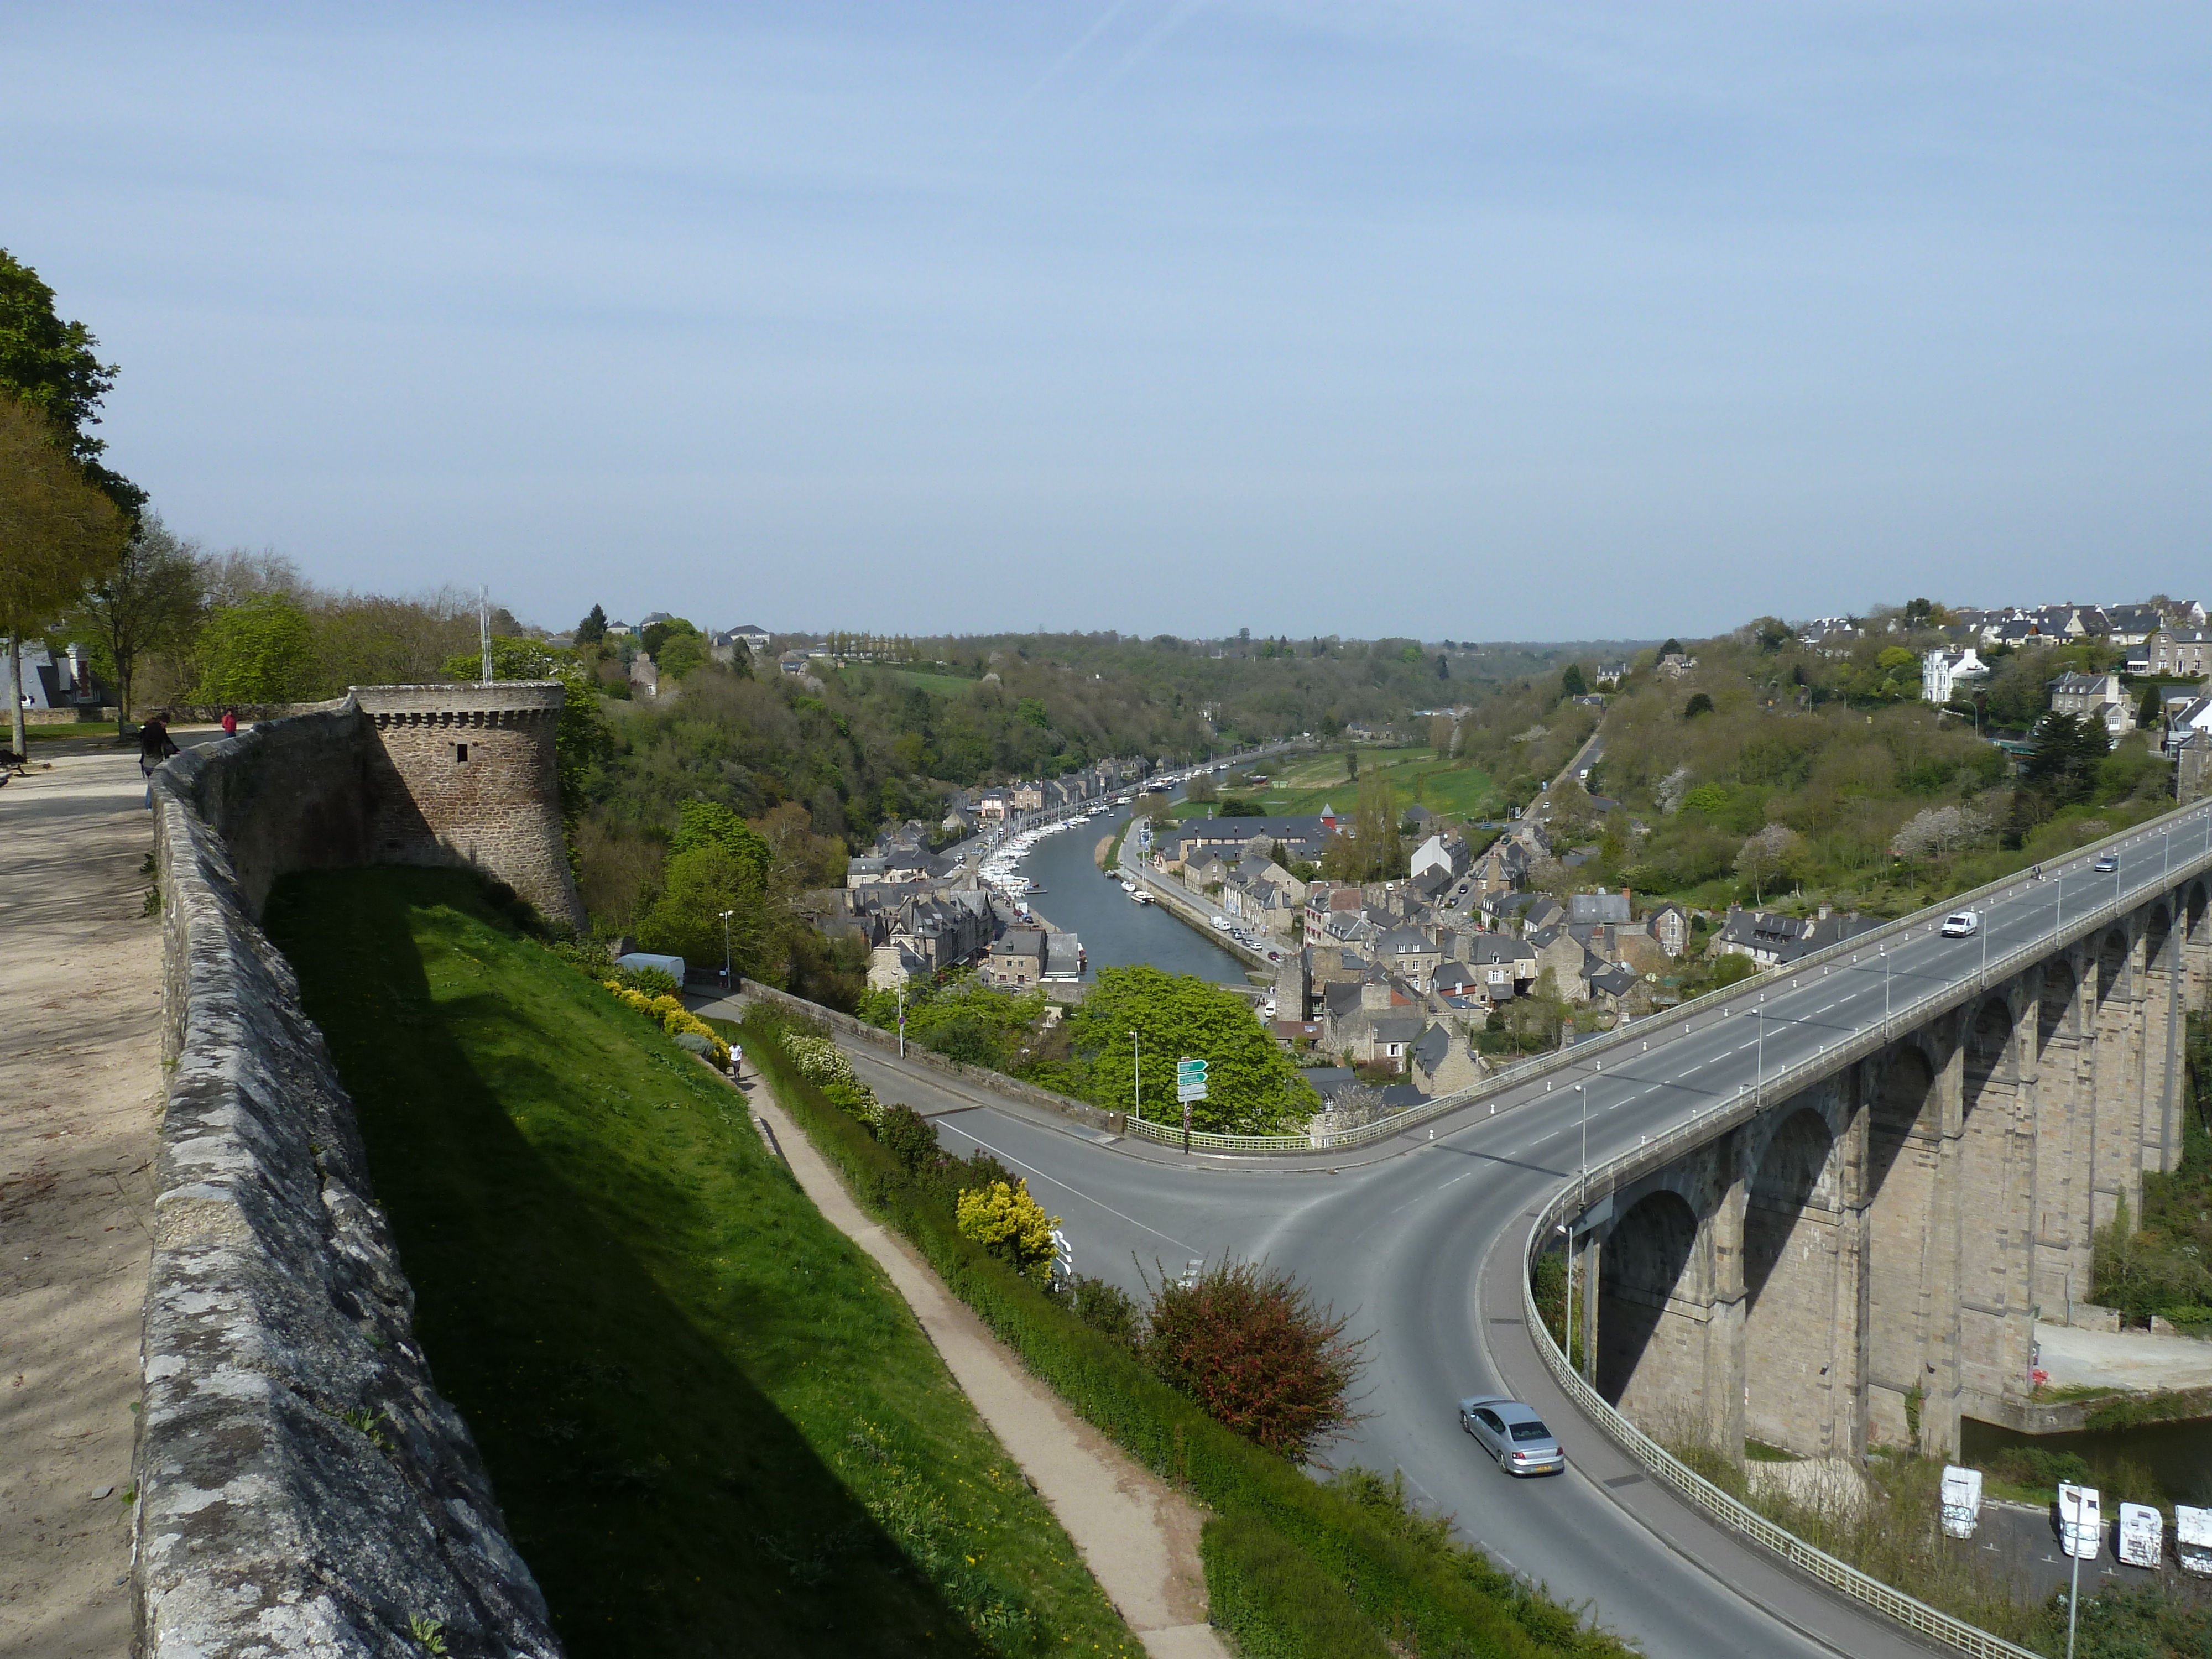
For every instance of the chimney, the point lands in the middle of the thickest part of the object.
(1827, 910)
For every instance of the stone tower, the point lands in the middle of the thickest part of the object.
(463, 774)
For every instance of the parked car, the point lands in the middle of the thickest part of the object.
(1514, 1435)
(1962, 924)
(2108, 864)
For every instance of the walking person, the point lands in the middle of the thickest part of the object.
(230, 722)
(155, 746)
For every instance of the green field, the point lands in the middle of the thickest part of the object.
(1417, 776)
(713, 1426)
(942, 686)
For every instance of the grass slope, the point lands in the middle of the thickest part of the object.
(1417, 776)
(712, 1424)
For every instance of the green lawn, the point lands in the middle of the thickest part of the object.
(1417, 777)
(713, 1426)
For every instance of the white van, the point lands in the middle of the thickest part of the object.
(2080, 1521)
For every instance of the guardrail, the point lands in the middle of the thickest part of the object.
(1598, 1048)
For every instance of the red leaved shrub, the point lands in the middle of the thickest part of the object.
(1249, 1346)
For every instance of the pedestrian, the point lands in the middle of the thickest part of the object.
(736, 1060)
(230, 722)
(154, 743)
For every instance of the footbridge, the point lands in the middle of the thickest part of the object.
(1823, 1209)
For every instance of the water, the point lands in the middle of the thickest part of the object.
(1116, 931)
(2178, 1456)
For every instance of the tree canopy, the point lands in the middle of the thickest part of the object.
(1252, 1087)
(54, 367)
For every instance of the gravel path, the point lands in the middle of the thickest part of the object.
(1138, 1535)
(80, 1098)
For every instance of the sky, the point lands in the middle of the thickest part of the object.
(1465, 321)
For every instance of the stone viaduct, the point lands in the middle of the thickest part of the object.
(1864, 1261)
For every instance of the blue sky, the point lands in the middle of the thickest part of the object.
(1470, 321)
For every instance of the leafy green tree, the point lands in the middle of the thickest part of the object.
(685, 918)
(149, 600)
(1672, 648)
(594, 627)
(56, 531)
(710, 823)
(1700, 703)
(1571, 683)
(261, 651)
(2069, 751)
(54, 367)
(1253, 1088)
(681, 656)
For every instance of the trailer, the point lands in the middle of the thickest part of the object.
(2192, 1539)
(1962, 1500)
(2080, 1521)
(2142, 1542)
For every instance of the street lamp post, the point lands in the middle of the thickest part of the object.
(1582, 1176)
(726, 915)
(1137, 1064)
(1569, 1344)
(1758, 1059)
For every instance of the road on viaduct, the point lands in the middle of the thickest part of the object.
(1419, 1239)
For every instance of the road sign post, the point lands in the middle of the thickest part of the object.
(1190, 1084)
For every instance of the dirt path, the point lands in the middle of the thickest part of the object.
(1139, 1537)
(80, 1077)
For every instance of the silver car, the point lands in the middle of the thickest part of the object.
(1514, 1435)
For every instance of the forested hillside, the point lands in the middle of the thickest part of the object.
(1770, 769)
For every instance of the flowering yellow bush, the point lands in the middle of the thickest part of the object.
(1011, 1225)
(674, 1019)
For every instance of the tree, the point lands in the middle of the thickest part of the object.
(1700, 703)
(1248, 1345)
(1252, 1087)
(1203, 789)
(2068, 749)
(1939, 831)
(1571, 683)
(1672, 648)
(54, 367)
(1776, 851)
(149, 600)
(260, 652)
(594, 627)
(56, 532)
(1444, 666)
(1009, 1225)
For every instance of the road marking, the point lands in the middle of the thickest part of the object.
(1008, 1157)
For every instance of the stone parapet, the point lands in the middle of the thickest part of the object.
(302, 1486)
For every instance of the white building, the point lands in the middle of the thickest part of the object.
(1947, 674)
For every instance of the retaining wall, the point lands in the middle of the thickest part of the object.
(302, 1486)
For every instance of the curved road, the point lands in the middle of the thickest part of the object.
(1420, 1239)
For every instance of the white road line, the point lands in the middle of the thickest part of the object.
(1008, 1157)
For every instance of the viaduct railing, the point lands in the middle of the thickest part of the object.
(1868, 1040)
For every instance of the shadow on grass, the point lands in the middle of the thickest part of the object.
(541, 1203)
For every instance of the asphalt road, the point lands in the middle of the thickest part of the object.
(1418, 1239)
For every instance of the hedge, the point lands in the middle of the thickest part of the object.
(1275, 1598)
(1440, 1604)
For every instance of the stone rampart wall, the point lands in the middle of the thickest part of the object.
(302, 1486)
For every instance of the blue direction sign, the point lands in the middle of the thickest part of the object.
(1190, 1080)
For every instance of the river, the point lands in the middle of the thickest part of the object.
(1116, 930)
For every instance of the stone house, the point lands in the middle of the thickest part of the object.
(1442, 1063)
(1773, 940)
(1947, 674)
(1670, 927)
(2181, 652)
(1015, 958)
(1560, 953)
(2095, 697)
(1410, 955)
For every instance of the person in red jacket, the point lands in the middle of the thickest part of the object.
(229, 723)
